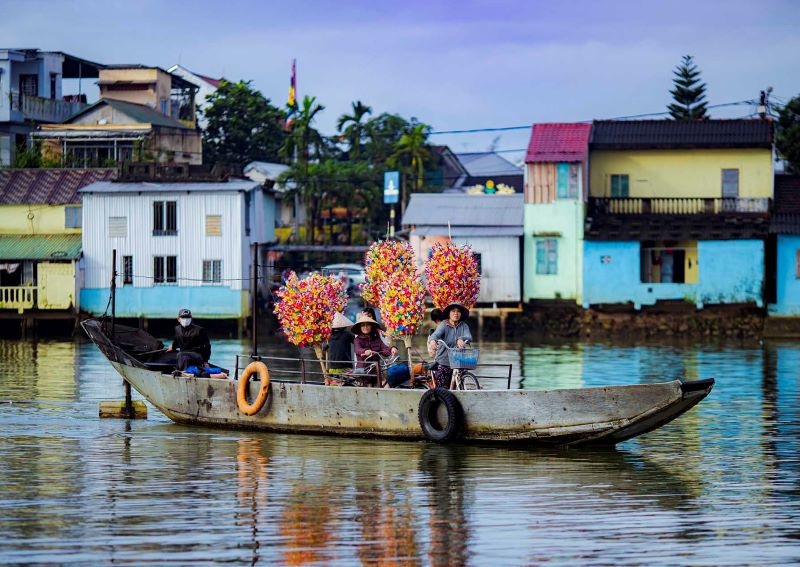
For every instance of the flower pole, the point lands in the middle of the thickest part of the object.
(403, 306)
(306, 309)
(453, 275)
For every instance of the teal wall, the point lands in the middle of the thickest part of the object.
(730, 271)
(163, 302)
(788, 285)
(564, 220)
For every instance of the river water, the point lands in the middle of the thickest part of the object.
(718, 486)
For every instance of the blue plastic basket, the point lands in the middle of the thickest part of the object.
(463, 358)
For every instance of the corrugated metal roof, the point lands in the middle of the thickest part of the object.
(455, 231)
(558, 142)
(47, 186)
(436, 209)
(40, 247)
(487, 164)
(151, 187)
(675, 134)
(139, 113)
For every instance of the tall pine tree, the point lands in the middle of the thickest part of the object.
(689, 92)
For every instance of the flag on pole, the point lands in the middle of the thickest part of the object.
(291, 104)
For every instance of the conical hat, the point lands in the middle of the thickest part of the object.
(363, 318)
(341, 322)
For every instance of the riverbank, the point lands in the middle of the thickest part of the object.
(569, 321)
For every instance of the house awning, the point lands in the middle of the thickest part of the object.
(457, 231)
(40, 247)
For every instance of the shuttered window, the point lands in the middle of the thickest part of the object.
(620, 185)
(117, 227)
(165, 269)
(165, 218)
(127, 270)
(730, 183)
(567, 180)
(213, 225)
(212, 271)
(547, 256)
(72, 217)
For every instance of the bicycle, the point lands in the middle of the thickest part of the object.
(462, 360)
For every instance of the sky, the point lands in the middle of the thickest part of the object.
(454, 65)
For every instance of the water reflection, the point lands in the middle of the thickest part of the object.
(720, 484)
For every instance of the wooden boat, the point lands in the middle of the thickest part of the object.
(600, 415)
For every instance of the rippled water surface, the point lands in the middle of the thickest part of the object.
(718, 486)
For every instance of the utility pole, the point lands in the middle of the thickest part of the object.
(763, 103)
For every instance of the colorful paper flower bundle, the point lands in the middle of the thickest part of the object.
(383, 259)
(453, 275)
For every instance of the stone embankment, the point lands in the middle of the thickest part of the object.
(570, 321)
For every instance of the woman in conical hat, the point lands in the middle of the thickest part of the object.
(340, 345)
(455, 333)
(367, 341)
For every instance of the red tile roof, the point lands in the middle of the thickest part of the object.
(48, 186)
(558, 142)
(215, 82)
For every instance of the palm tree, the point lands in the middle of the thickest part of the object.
(352, 127)
(412, 149)
(303, 136)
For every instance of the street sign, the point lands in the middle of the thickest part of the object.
(391, 187)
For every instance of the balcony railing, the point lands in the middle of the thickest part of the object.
(42, 109)
(17, 297)
(678, 206)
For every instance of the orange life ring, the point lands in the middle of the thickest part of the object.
(241, 392)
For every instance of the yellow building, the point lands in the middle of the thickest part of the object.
(677, 211)
(40, 238)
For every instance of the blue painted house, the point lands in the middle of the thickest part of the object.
(677, 211)
(179, 244)
(784, 265)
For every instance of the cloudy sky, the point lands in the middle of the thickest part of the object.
(454, 65)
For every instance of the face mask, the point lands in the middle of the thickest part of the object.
(185, 322)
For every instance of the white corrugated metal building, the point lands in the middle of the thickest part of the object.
(183, 244)
(491, 224)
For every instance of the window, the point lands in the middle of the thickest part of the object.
(165, 269)
(797, 264)
(164, 106)
(247, 197)
(478, 261)
(53, 84)
(213, 225)
(547, 256)
(117, 227)
(96, 154)
(72, 217)
(212, 271)
(165, 218)
(619, 185)
(730, 183)
(669, 262)
(29, 85)
(567, 180)
(127, 270)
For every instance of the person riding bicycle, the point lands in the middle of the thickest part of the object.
(368, 342)
(453, 332)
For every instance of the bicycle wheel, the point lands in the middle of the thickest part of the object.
(469, 381)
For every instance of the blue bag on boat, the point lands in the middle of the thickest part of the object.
(397, 373)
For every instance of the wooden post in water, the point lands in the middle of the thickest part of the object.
(254, 300)
(127, 409)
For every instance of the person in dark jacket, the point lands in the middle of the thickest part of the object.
(340, 345)
(368, 342)
(191, 342)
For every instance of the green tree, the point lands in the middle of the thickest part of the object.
(411, 151)
(352, 127)
(242, 125)
(787, 135)
(688, 92)
(383, 132)
(303, 137)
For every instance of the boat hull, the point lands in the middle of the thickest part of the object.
(555, 417)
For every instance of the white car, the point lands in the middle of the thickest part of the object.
(354, 272)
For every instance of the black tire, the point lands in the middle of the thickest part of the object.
(469, 381)
(429, 422)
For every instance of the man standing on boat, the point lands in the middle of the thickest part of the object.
(191, 342)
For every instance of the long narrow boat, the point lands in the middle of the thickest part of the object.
(600, 415)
